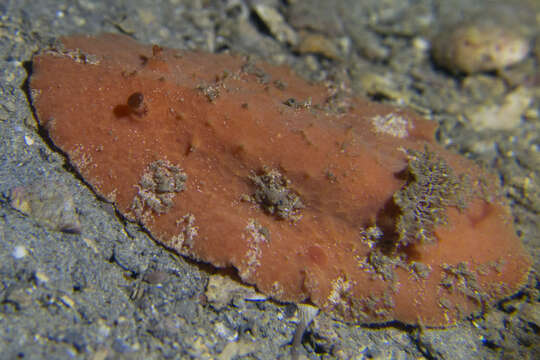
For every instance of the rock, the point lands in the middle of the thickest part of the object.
(276, 24)
(503, 116)
(221, 290)
(49, 204)
(478, 46)
(312, 43)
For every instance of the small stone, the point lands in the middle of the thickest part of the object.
(483, 87)
(91, 244)
(276, 24)
(421, 44)
(531, 313)
(383, 85)
(67, 301)
(28, 140)
(19, 252)
(478, 46)
(49, 204)
(19, 296)
(221, 290)
(318, 44)
(235, 350)
(503, 116)
(370, 45)
(532, 114)
(225, 332)
(100, 354)
(156, 277)
(41, 278)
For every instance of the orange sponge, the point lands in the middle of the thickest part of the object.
(310, 194)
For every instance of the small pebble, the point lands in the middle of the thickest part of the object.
(237, 349)
(28, 140)
(531, 312)
(221, 291)
(19, 252)
(225, 333)
(312, 43)
(48, 203)
(276, 24)
(156, 277)
(67, 301)
(421, 44)
(370, 45)
(478, 46)
(503, 116)
(41, 277)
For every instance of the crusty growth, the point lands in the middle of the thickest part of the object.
(157, 188)
(431, 187)
(460, 278)
(274, 195)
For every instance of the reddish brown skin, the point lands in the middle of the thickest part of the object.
(219, 141)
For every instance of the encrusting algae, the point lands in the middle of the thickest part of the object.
(345, 203)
